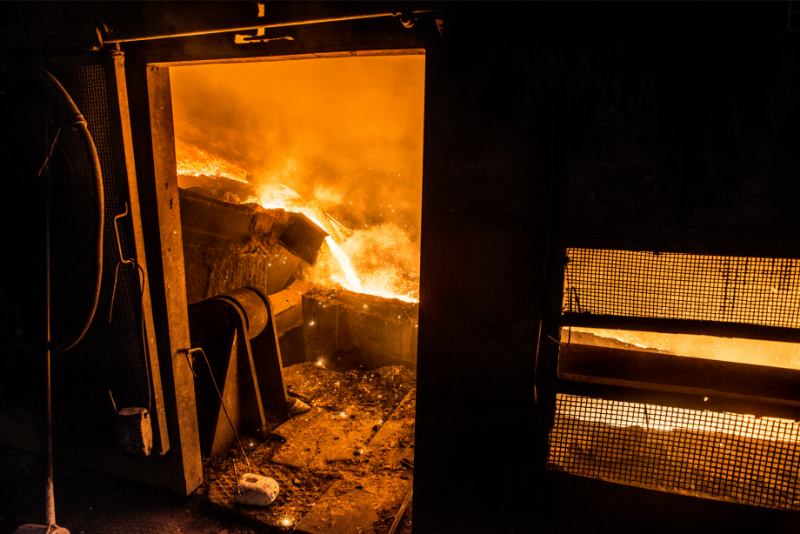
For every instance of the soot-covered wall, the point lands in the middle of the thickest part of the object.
(671, 122)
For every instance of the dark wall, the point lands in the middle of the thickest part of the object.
(667, 121)
(688, 118)
(488, 163)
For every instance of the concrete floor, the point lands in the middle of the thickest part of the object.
(318, 441)
(90, 503)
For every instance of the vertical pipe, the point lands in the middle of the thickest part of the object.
(50, 505)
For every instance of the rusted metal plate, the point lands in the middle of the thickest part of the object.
(303, 237)
(206, 218)
(320, 437)
(167, 275)
(364, 505)
(368, 503)
(392, 447)
(642, 369)
(383, 331)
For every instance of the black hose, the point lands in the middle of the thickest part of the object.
(77, 119)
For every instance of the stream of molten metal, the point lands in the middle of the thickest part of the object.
(353, 282)
(284, 198)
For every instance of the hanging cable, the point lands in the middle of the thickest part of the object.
(77, 119)
(191, 351)
(50, 151)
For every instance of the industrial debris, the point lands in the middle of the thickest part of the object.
(344, 466)
(256, 490)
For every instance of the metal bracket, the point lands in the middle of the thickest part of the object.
(117, 217)
(122, 261)
(259, 37)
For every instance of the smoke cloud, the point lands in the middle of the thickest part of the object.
(344, 132)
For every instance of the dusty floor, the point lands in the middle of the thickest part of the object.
(344, 466)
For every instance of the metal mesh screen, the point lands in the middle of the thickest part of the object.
(113, 352)
(758, 291)
(723, 456)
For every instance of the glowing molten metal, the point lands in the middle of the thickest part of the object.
(338, 139)
(282, 197)
(197, 162)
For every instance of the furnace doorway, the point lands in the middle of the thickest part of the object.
(300, 182)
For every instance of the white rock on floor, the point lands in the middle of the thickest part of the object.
(257, 490)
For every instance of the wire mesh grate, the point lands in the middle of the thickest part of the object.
(749, 290)
(113, 351)
(723, 456)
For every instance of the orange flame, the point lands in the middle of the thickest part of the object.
(343, 133)
(192, 161)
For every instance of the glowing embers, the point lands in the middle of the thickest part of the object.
(194, 162)
(723, 456)
(726, 349)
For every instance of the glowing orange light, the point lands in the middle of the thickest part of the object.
(382, 275)
(337, 139)
(192, 161)
(737, 350)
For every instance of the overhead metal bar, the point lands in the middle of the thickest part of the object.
(402, 15)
